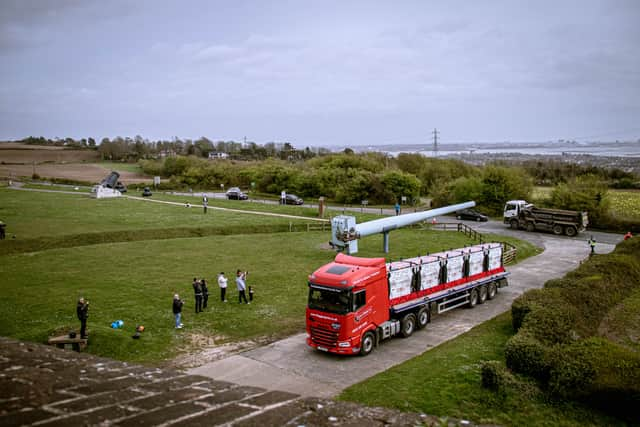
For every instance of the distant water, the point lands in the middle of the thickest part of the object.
(608, 149)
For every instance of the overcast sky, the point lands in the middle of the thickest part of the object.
(321, 73)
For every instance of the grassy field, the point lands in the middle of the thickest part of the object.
(135, 279)
(445, 381)
(625, 204)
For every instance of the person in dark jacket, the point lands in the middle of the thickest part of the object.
(82, 310)
(177, 310)
(205, 293)
(197, 291)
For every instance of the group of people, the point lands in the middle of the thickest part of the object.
(201, 294)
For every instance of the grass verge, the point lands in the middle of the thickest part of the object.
(445, 381)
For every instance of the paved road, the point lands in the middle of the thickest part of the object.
(290, 365)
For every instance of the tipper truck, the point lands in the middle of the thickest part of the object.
(355, 303)
(519, 214)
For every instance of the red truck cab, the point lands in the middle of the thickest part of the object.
(347, 298)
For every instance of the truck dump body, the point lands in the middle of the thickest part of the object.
(522, 215)
(355, 302)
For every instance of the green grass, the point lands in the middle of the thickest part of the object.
(625, 204)
(129, 257)
(135, 282)
(445, 381)
(33, 215)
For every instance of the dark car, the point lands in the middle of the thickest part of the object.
(292, 199)
(471, 215)
(121, 187)
(146, 192)
(236, 194)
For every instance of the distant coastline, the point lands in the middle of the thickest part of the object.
(607, 149)
(620, 155)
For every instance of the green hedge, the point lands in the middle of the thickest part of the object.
(558, 338)
(526, 355)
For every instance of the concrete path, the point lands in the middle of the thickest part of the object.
(290, 365)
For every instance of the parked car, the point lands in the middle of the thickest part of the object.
(146, 192)
(121, 187)
(236, 194)
(292, 199)
(472, 215)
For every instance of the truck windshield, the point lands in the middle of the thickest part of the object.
(336, 301)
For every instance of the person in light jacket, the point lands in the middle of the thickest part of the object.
(242, 286)
(222, 283)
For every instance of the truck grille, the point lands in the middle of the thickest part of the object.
(324, 337)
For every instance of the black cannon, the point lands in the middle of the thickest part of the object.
(111, 180)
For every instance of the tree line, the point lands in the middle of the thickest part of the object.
(129, 149)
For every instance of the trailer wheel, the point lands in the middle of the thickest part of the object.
(531, 227)
(367, 343)
(482, 294)
(423, 317)
(557, 229)
(492, 291)
(513, 224)
(570, 231)
(408, 325)
(473, 298)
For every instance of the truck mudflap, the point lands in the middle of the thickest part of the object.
(455, 297)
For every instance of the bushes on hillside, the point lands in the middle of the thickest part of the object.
(558, 342)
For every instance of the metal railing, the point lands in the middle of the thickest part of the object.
(509, 251)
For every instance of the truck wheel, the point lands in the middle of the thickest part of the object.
(482, 294)
(423, 317)
(531, 227)
(408, 325)
(514, 224)
(557, 230)
(473, 298)
(570, 231)
(492, 291)
(367, 343)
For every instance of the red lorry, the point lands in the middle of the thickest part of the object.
(354, 303)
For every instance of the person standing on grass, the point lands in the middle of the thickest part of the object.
(197, 291)
(177, 310)
(82, 310)
(222, 283)
(205, 293)
(250, 294)
(242, 286)
(205, 203)
(397, 207)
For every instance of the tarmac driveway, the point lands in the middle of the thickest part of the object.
(290, 365)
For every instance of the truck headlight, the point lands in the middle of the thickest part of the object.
(344, 344)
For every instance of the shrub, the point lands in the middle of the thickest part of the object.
(493, 374)
(552, 323)
(526, 355)
(528, 301)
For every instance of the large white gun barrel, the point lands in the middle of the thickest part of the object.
(391, 223)
(345, 232)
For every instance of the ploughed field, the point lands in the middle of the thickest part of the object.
(22, 160)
